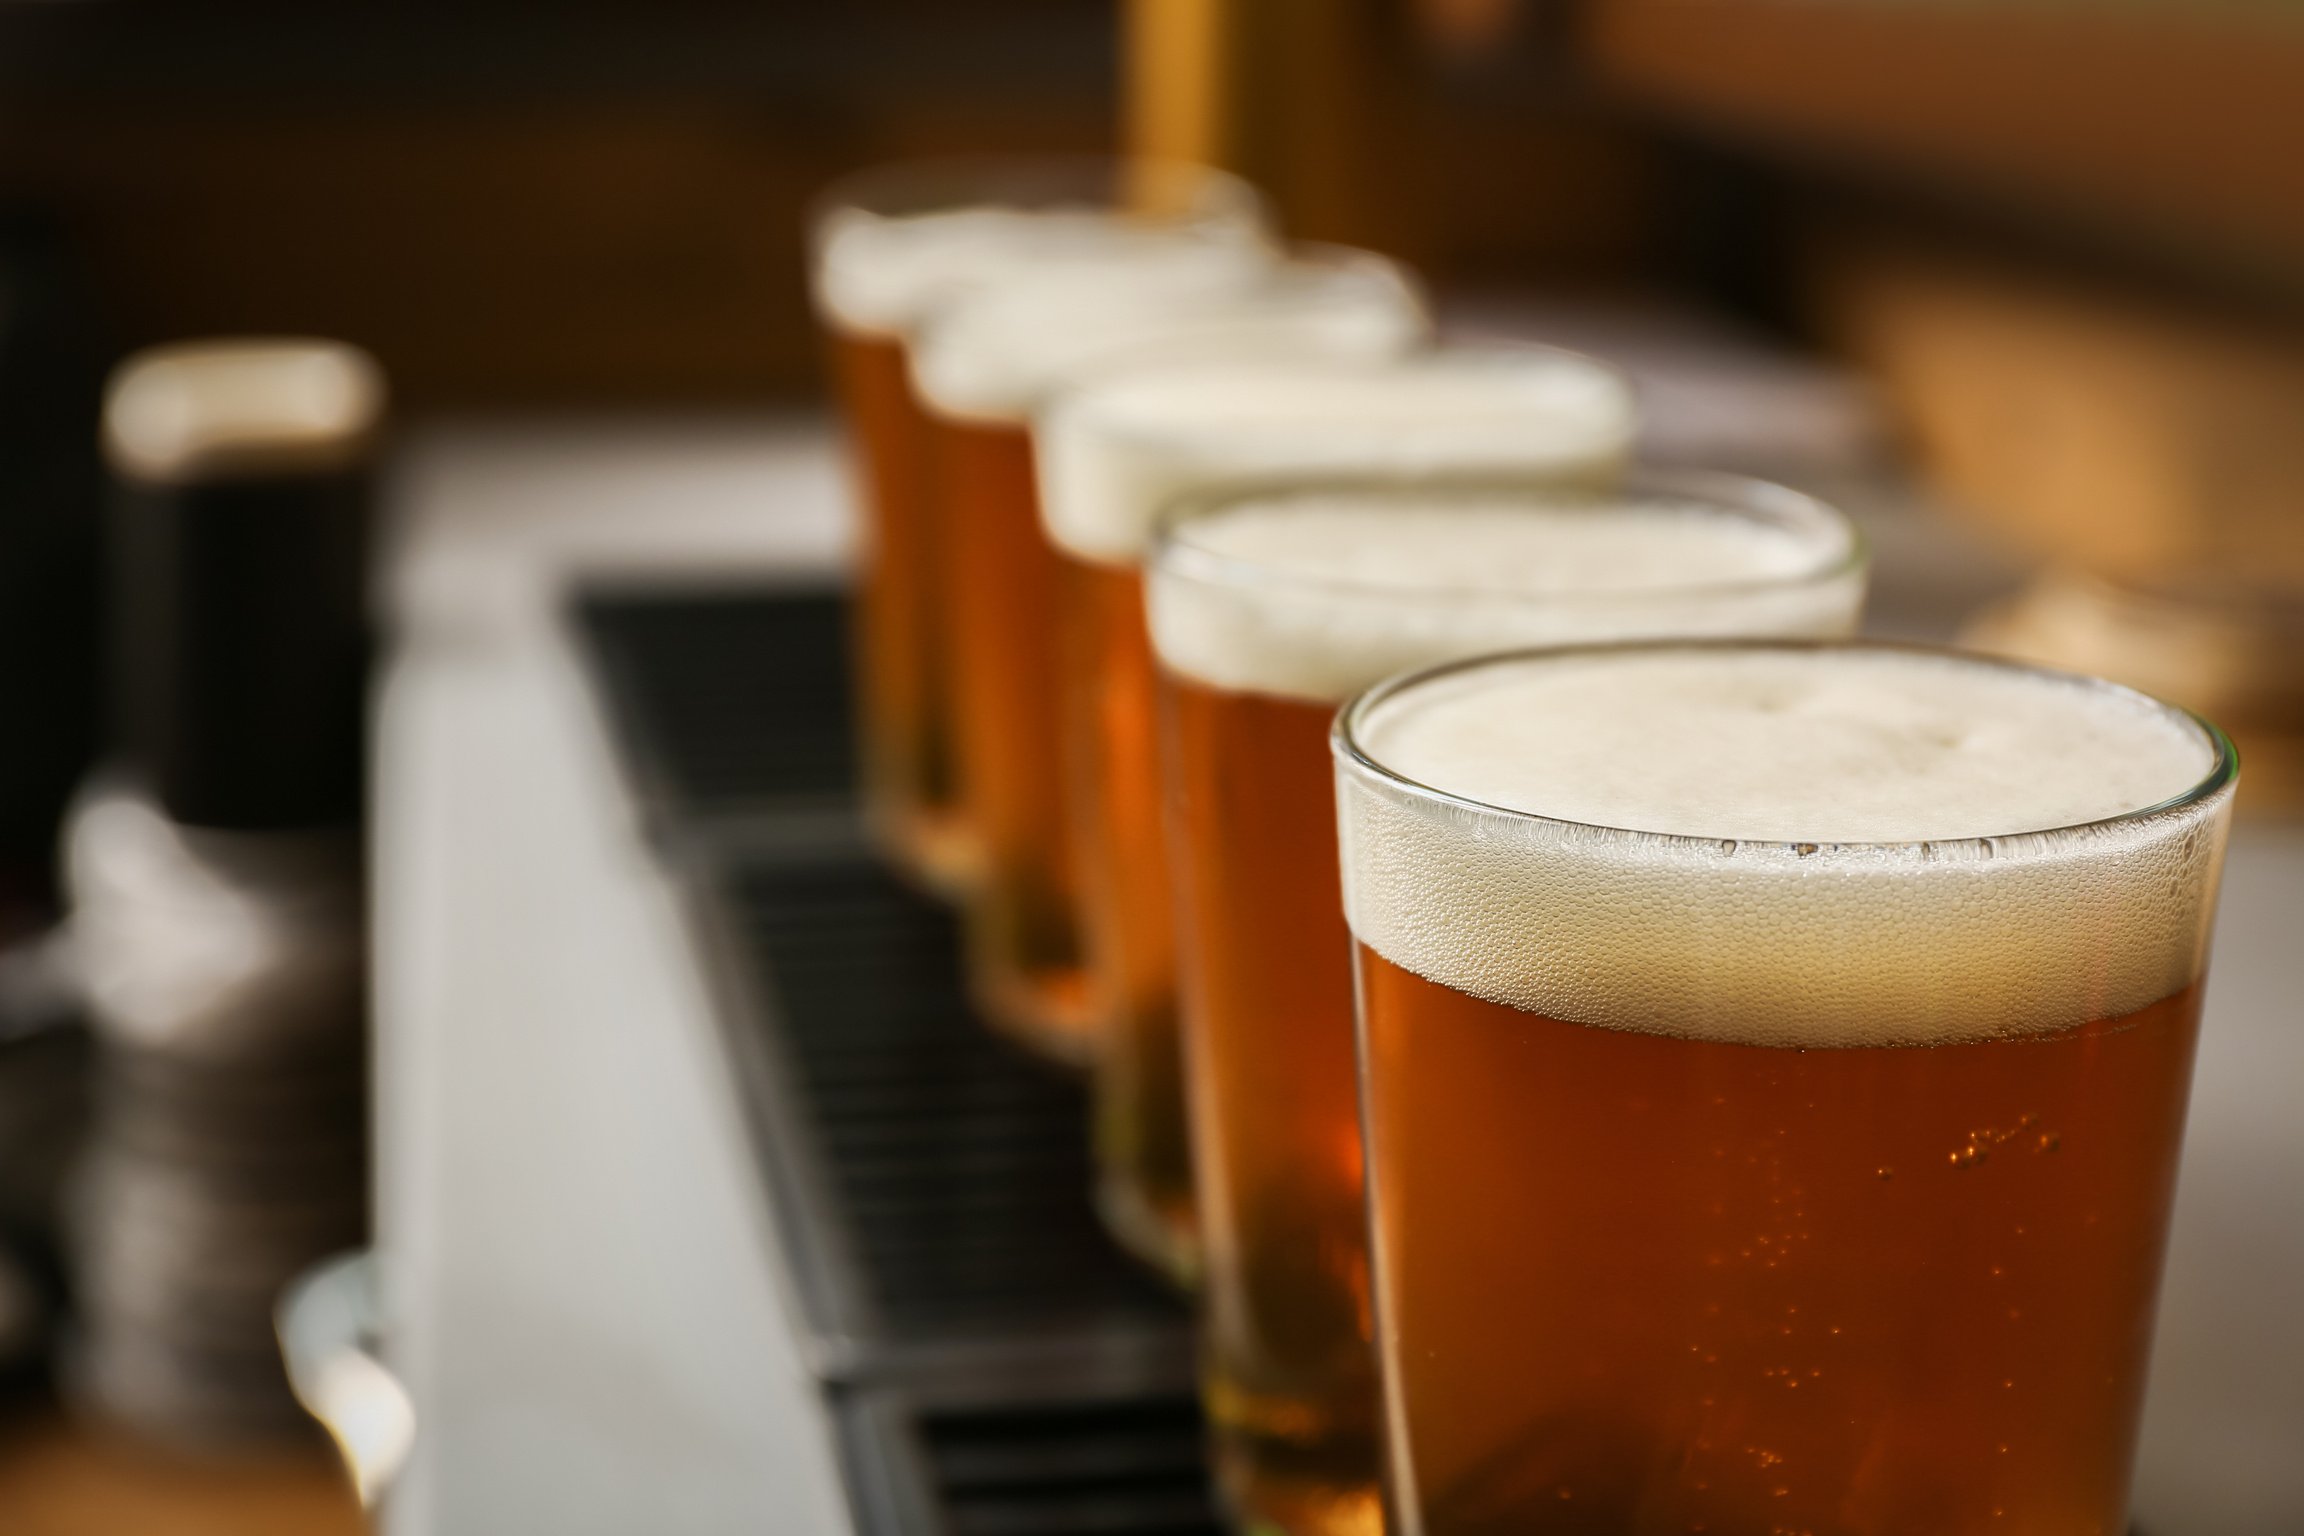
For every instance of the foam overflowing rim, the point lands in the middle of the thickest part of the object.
(1174, 554)
(1345, 746)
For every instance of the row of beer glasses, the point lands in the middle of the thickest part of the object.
(1150, 498)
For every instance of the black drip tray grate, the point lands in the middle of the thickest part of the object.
(730, 705)
(1093, 1466)
(942, 1173)
(997, 1367)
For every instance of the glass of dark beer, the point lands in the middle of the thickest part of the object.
(890, 247)
(1774, 1061)
(1268, 608)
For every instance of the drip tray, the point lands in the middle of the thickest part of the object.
(931, 1179)
(1113, 1464)
(729, 706)
(994, 1363)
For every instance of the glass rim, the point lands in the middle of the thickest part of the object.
(1352, 755)
(958, 181)
(1172, 553)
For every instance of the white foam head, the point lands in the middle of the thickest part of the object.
(1318, 591)
(894, 245)
(1815, 846)
(1006, 351)
(278, 405)
(1116, 451)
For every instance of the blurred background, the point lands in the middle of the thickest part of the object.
(2016, 283)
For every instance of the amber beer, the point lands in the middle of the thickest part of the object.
(1267, 609)
(1775, 1063)
(891, 247)
(900, 707)
(1306, 396)
(1111, 732)
(985, 369)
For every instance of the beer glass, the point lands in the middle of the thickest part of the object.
(889, 247)
(1112, 454)
(984, 369)
(1268, 608)
(1775, 1059)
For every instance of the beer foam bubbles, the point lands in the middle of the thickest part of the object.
(1116, 451)
(1315, 593)
(1006, 350)
(1784, 846)
(887, 275)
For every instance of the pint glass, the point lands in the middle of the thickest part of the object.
(890, 246)
(985, 369)
(1775, 1061)
(1112, 454)
(1268, 609)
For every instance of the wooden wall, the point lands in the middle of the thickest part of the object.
(582, 203)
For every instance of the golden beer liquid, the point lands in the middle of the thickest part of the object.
(1002, 584)
(1639, 1285)
(1267, 982)
(1111, 730)
(898, 620)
